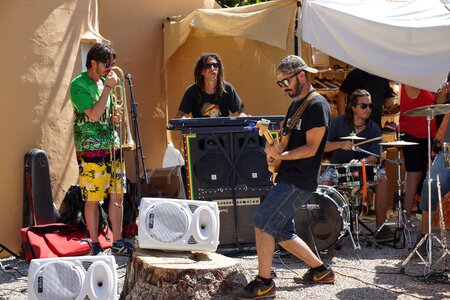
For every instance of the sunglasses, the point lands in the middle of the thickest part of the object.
(365, 105)
(285, 82)
(108, 65)
(210, 66)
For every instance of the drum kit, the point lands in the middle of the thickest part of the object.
(338, 208)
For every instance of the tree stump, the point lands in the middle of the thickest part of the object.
(159, 275)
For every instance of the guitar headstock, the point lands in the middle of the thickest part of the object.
(263, 126)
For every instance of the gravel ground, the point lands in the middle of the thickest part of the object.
(373, 272)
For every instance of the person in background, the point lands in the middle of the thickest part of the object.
(97, 145)
(210, 95)
(414, 129)
(295, 183)
(357, 121)
(378, 88)
(438, 167)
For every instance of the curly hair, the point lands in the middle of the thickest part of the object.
(352, 101)
(201, 65)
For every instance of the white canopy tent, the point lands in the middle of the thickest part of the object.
(405, 41)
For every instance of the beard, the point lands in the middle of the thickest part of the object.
(293, 93)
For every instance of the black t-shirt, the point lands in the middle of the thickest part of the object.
(303, 173)
(201, 105)
(377, 87)
(340, 127)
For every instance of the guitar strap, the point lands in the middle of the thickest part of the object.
(296, 116)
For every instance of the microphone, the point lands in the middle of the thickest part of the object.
(310, 206)
(128, 76)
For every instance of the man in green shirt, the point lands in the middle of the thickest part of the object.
(97, 145)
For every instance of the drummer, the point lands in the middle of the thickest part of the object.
(357, 125)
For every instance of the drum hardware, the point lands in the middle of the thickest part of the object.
(350, 175)
(356, 209)
(401, 232)
(429, 112)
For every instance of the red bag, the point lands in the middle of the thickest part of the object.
(105, 238)
(53, 240)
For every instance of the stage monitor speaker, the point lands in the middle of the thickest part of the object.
(209, 166)
(245, 210)
(220, 163)
(250, 161)
(175, 224)
(78, 277)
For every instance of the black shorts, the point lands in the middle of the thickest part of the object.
(416, 156)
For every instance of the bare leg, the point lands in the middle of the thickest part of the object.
(91, 216)
(381, 192)
(411, 183)
(116, 215)
(299, 249)
(265, 246)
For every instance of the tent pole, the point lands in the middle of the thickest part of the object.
(298, 28)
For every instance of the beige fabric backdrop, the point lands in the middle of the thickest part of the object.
(251, 41)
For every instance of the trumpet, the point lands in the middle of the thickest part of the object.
(120, 102)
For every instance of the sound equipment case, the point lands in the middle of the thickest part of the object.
(38, 206)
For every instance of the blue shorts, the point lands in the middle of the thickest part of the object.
(437, 168)
(275, 215)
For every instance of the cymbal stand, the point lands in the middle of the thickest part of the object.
(442, 227)
(428, 238)
(401, 229)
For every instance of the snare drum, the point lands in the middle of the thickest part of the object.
(325, 223)
(446, 149)
(351, 175)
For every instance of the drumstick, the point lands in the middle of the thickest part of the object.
(368, 141)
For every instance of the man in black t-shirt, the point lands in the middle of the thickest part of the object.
(296, 181)
(210, 95)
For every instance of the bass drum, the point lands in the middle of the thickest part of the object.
(326, 217)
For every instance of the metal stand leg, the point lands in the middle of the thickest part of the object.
(429, 236)
(401, 232)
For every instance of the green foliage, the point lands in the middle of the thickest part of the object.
(234, 3)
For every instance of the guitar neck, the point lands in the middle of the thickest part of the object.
(269, 137)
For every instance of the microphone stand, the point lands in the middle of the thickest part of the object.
(137, 138)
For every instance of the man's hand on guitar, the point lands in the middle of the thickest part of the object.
(273, 151)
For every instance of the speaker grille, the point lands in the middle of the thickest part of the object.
(167, 222)
(252, 168)
(58, 281)
(213, 170)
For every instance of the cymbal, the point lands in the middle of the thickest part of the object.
(328, 164)
(399, 143)
(352, 137)
(430, 110)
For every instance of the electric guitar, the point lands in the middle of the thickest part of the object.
(263, 130)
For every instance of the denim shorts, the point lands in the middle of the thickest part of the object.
(275, 215)
(437, 168)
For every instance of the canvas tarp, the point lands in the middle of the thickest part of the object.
(251, 41)
(405, 41)
(267, 22)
